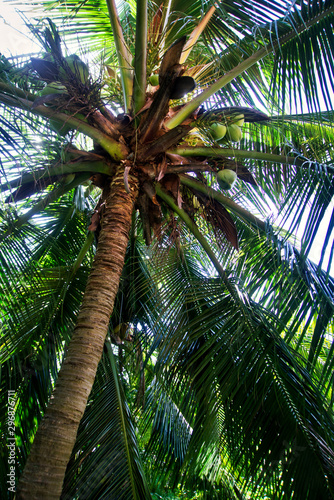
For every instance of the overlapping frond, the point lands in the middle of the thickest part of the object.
(40, 296)
(106, 454)
(198, 348)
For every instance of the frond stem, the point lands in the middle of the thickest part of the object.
(123, 53)
(195, 231)
(139, 79)
(44, 202)
(224, 200)
(237, 153)
(116, 150)
(84, 249)
(59, 170)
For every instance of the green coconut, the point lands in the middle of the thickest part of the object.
(226, 178)
(218, 131)
(154, 80)
(78, 67)
(234, 132)
(240, 120)
(53, 88)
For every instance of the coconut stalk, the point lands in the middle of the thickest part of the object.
(139, 79)
(124, 55)
(52, 447)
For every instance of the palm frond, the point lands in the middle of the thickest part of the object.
(284, 379)
(106, 451)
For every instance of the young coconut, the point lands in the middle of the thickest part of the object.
(240, 120)
(234, 132)
(194, 138)
(226, 178)
(51, 93)
(78, 67)
(67, 179)
(218, 131)
(53, 88)
(154, 80)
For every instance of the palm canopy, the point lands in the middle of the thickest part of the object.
(222, 327)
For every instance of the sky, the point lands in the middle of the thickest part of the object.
(15, 38)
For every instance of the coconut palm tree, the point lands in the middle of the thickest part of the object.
(138, 177)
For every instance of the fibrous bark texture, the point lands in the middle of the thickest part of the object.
(45, 468)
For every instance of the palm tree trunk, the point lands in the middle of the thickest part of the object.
(44, 472)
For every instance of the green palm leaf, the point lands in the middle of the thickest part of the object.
(106, 453)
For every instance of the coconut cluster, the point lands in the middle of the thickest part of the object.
(219, 131)
(232, 131)
(77, 67)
